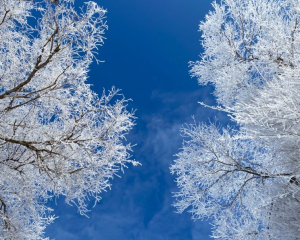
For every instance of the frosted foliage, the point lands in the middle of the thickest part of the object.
(247, 43)
(57, 137)
(246, 181)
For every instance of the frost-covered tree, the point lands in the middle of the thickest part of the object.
(247, 180)
(57, 137)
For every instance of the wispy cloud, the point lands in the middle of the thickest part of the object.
(139, 206)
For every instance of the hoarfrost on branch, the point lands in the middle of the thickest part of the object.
(245, 179)
(57, 137)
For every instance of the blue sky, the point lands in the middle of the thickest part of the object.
(149, 44)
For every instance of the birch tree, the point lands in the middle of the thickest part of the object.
(57, 136)
(245, 179)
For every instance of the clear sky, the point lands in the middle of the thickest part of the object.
(149, 44)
